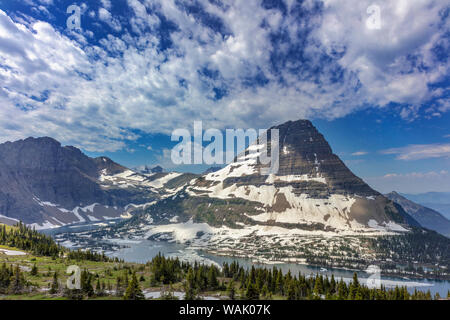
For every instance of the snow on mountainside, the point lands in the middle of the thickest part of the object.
(313, 206)
(47, 185)
(427, 217)
(313, 186)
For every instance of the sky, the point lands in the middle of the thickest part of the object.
(372, 76)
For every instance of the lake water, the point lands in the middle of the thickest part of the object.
(144, 250)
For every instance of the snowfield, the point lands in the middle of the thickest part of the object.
(12, 252)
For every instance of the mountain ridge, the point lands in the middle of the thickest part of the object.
(45, 184)
(310, 211)
(427, 217)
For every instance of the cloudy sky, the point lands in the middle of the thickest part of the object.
(377, 86)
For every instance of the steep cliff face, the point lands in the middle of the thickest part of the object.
(313, 209)
(312, 186)
(46, 184)
(304, 151)
(428, 218)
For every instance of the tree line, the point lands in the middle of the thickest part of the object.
(22, 237)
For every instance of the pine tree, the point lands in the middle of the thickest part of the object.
(212, 278)
(86, 283)
(99, 288)
(342, 290)
(291, 290)
(231, 290)
(265, 292)
(55, 285)
(318, 286)
(133, 291)
(119, 290)
(17, 282)
(332, 284)
(34, 270)
(189, 286)
(252, 292)
(279, 282)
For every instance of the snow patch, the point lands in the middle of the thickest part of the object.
(12, 252)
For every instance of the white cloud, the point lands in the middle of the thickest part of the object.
(106, 17)
(414, 182)
(379, 57)
(420, 151)
(96, 96)
(359, 153)
(106, 4)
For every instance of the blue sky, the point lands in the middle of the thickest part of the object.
(138, 69)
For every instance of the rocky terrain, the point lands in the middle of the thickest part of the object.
(313, 210)
(47, 185)
(428, 218)
(312, 189)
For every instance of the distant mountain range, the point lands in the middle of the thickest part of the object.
(47, 185)
(147, 170)
(427, 217)
(439, 201)
(313, 209)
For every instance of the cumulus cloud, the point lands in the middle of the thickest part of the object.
(389, 61)
(106, 17)
(106, 4)
(420, 151)
(359, 153)
(230, 64)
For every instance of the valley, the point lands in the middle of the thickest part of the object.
(313, 212)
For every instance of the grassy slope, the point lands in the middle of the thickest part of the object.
(106, 271)
(47, 266)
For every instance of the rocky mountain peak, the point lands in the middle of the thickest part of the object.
(312, 185)
(43, 182)
(305, 154)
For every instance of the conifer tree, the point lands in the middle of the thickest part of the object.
(55, 284)
(265, 292)
(212, 278)
(231, 290)
(86, 283)
(252, 292)
(34, 270)
(190, 287)
(134, 291)
(17, 282)
(279, 282)
(318, 286)
(291, 290)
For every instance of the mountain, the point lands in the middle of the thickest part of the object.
(314, 210)
(147, 170)
(427, 217)
(211, 170)
(46, 185)
(312, 187)
(439, 201)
